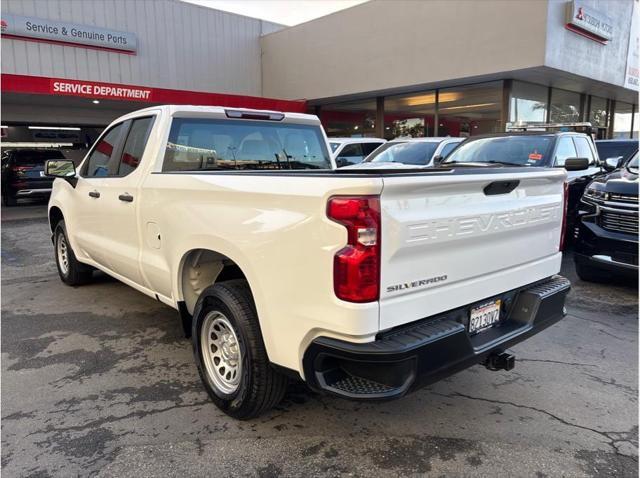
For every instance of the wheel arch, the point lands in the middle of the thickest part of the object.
(55, 216)
(200, 268)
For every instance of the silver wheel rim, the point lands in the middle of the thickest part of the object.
(63, 254)
(221, 352)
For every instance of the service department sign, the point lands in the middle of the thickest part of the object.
(584, 19)
(30, 28)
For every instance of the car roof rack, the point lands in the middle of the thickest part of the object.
(579, 127)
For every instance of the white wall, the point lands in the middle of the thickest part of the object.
(391, 44)
(568, 51)
(180, 45)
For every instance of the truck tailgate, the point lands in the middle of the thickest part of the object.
(448, 240)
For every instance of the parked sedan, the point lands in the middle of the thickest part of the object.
(410, 153)
(23, 174)
(570, 150)
(347, 151)
(606, 239)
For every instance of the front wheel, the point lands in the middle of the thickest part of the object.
(230, 353)
(71, 271)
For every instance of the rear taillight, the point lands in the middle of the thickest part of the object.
(565, 202)
(21, 171)
(356, 267)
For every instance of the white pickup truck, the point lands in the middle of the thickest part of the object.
(366, 284)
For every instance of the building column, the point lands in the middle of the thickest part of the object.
(436, 119)
(612, 112)
(380, 117)
(506, 104)
(633, 114)
(584, 111)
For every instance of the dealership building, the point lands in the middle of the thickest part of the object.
(383, 68)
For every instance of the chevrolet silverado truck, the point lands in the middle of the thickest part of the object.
(366, 284)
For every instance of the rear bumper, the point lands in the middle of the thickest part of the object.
(409, 357)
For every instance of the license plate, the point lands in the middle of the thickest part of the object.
(484, 317)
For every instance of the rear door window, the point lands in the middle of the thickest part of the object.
(447, 148)
(351, 154)
(211, 144)
(564, 150)
(134, 145)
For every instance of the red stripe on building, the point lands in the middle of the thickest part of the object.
(40, 85)
(586, 34)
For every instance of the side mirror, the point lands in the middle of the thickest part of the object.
(576, 164)
(613, 163)
(437, 159)
(60, 168)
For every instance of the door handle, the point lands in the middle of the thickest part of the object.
(126, 197)
(94, 194)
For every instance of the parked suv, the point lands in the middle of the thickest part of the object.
(542, 149)
(348, 151)
(606, 239)
(23, 174)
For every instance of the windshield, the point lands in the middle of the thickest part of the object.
(614, 149)
(512, 150)
(334, 146)
(418, 153)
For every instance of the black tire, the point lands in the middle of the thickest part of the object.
(9, 200)
(74, 273)
(591, 274)
(260, 387)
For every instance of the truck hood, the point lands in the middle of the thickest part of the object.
(621, 181)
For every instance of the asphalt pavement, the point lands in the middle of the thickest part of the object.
(98, 380)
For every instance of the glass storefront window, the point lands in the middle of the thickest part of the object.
(470, 110)
(622, 120)
(410, 115)
(636, 125)
(353, 119)
(565, 106)
(528, 103)
(598, 112)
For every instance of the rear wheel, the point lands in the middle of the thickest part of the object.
(71, 271)
(230, 353)
(591, 274)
